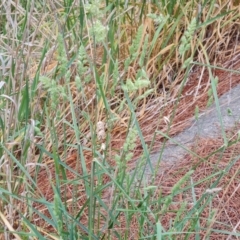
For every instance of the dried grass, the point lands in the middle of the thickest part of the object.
(221, 40)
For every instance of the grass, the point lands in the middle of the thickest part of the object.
(87, 92)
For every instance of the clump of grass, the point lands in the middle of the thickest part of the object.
(77, 90)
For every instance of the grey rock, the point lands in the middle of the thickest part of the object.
(208, 125)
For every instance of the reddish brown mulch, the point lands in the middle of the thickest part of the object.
(225, 203)
(222, 209)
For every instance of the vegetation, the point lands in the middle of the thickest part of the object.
(88, 90)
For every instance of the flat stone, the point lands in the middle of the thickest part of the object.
(208, 125)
